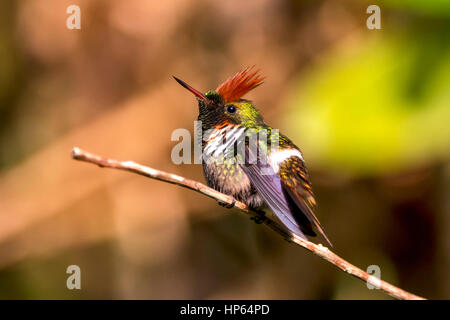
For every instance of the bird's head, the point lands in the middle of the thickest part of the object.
(225, 104)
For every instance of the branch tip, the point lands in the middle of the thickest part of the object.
(75, 152)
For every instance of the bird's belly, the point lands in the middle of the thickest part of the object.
(231, 180)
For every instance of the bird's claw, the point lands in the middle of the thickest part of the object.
(227, 205)
(260, 218)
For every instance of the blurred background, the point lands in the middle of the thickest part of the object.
(369, 108)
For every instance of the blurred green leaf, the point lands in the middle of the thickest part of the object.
(375, 106)
(435, 7)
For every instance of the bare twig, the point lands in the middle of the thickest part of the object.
(318, 249)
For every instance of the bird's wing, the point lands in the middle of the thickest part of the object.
(269, 186)
(271, 190)
(295, 180)
(289, 197)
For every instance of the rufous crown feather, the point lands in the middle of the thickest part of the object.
(238, 85)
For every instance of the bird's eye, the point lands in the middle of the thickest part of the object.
(231, 109)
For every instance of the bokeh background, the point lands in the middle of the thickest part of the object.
(369, 108)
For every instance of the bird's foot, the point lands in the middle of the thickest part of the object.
(227, 205)
(260, 218)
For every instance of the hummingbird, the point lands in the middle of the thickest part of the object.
(278, 179)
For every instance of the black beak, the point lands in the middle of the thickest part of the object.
(197, 93)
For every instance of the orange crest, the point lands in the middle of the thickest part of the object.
(239, 84)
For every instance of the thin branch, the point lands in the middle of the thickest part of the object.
(318, 249)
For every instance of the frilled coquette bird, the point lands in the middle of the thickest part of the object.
(278, 178)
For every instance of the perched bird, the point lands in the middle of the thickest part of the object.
(278, 178)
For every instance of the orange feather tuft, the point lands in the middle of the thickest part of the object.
(239, 84)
